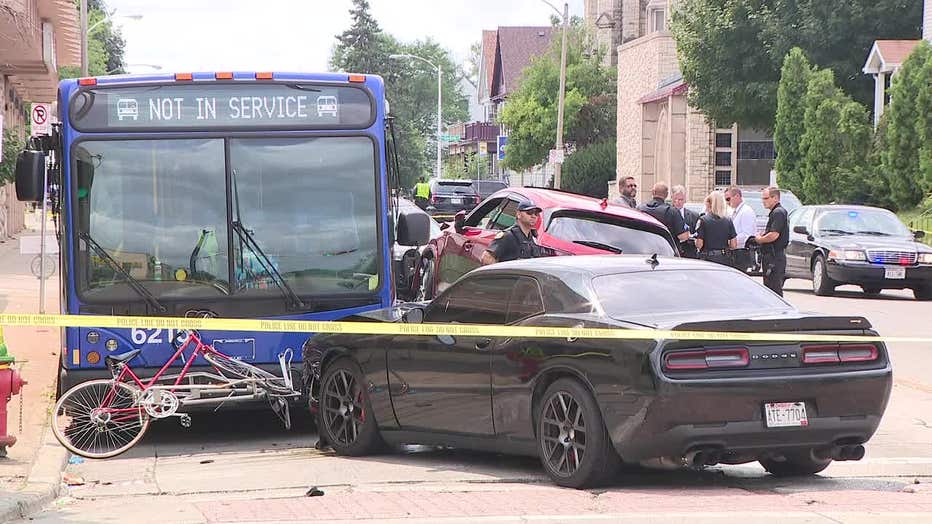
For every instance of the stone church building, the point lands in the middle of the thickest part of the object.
(660, 137)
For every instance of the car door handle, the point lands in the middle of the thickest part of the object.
(484, 344)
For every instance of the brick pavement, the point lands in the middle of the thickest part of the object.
(550, 501)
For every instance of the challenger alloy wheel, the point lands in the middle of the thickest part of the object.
(345, 414)
(574, 446)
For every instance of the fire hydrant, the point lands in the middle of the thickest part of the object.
(10, 384)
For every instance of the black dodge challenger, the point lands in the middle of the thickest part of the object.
(585, 406)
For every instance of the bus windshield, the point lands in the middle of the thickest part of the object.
(160, 209)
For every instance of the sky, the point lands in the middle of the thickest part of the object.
(297, 35)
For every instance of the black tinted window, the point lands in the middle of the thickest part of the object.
(525, 300)
(619, 235)
(452, 189)
(676, 292)
(473, 301)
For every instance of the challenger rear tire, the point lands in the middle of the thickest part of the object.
(797, 464)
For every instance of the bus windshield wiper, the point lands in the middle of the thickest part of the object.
(291, 298)
(133, 283)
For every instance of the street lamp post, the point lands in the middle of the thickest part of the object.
(85, 31)
(558, 166)
(439, 100)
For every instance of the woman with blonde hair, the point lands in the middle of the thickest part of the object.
(715, 233)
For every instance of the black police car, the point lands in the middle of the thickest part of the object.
(866, 246)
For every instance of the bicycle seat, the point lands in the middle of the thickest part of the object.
(122, 357)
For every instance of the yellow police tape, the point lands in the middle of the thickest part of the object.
(385, 328)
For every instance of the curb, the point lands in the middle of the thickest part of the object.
(43, 484)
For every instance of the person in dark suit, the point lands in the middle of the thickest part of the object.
(690, 218)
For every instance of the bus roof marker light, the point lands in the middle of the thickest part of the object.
(357, 78)
(224, 76)
(264, 76)
(87, 82)
(184, 77)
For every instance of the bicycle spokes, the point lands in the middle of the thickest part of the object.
(99, 419)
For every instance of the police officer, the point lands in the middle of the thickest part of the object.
(773, 242)
(518, 240)
(421, 193)
(664, 212)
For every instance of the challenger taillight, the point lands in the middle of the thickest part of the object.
(838, 353)
(706, 359)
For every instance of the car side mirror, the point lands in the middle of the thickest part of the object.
(919, 234)
(30, 175)
(801, 230)
(413, 316)
(413, 228)
(458, 220)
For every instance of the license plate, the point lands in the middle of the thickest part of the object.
(456, 200)
(786, 414)
(895, 272)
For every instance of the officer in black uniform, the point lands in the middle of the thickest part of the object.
(774, 241)
(665, 213)
(518, 240)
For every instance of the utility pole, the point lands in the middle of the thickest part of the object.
(83, 37)
(558, 166)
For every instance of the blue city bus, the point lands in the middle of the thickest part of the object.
(235, 195)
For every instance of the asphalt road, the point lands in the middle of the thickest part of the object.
(243, 467)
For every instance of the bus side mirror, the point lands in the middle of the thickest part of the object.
(413, 228)
(30, 176)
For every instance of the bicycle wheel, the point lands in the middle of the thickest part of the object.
(99, 419)
(239, 369)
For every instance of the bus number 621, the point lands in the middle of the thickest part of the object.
(147, 336)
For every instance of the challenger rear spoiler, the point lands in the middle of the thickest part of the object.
(778, 325)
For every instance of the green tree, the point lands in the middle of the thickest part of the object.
(820, 141)
(589, 170)
(105, 45)
(790, 126)
(924, 123)
(853, 181)
(410, 86)
(904, 135)
(531, 111)
(731, 51)
(13, 143)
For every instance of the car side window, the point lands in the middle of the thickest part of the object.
(525, 300)
(478, 300)
(506, 218)
(802, 218)
(482, 217)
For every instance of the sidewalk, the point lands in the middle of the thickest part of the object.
(31, 473)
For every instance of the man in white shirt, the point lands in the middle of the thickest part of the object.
(745, 221)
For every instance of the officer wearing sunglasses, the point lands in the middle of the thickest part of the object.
(518, 240)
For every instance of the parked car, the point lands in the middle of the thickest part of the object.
(586, 405)
(866, 246)
(405, 258)
(487, 188)
(570, 224)
(447, 197)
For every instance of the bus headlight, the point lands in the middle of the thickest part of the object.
(93, 337)
(111, 345)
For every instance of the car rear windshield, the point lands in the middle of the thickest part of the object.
(454, 188)
(661, 293)
(609, 233)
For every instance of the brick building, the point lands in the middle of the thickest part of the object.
(660, 137)
(36, 36)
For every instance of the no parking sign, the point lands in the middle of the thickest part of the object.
(41, 119)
